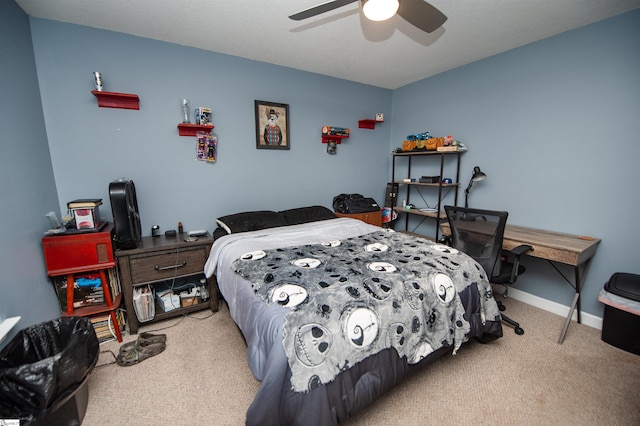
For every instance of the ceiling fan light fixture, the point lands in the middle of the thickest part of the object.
(379, 10)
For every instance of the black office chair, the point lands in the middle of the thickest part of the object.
(479, 233)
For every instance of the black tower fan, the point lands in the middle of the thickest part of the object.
(126, 218)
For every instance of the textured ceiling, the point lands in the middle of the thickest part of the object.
(340, 43)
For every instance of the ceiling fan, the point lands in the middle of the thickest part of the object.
(417, 12)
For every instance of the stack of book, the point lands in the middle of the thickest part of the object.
(104, 327)
(88, 291)
(87, 288)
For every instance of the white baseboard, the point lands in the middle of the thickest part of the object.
(555, 308)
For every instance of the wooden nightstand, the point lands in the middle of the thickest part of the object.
(158, 262)
(372, 218)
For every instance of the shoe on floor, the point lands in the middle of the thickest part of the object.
(143, 340)
(139, 353)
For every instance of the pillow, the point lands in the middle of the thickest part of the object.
(250, 221)
(219, 232)
(306, 214)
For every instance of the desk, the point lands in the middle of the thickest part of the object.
(568, 249)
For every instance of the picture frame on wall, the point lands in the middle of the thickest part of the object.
(272, 125)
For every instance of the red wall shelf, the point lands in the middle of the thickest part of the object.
(186, 129)
(336, 138)
(117, 100)
(368, 123)
(335, 134)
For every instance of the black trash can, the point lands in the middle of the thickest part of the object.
(621, 318)
(44, 371)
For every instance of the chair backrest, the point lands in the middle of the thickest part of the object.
(479, 234)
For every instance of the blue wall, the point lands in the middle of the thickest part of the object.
(555, 127)
(27, 185)
(553, 124)
(91, 146)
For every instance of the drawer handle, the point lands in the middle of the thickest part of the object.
(164, 268)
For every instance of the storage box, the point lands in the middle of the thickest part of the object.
(621, 319)
(168, 301)
(188, 301)
(189, 298)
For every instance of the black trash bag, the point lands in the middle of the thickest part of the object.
(43, 364)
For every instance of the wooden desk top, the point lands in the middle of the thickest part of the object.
(556, 246)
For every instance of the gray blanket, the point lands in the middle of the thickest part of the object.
(352, 298)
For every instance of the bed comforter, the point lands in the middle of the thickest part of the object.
(470, 311)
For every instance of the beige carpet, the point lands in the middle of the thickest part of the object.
(202, 378)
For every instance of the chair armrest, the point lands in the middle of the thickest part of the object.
(516, 252)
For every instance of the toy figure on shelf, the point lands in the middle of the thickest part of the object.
(425, 142)
(203, 116)
(419, 136)
(332, 147)
(206, 146)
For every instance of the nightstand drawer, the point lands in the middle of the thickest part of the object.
(166, 265)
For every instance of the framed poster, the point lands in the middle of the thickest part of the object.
(272, 125)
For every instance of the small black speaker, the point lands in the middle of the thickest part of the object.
(391, 195)
(126, 217)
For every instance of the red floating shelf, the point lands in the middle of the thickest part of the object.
(117, 100)
(336, 138)
(186, 129)
(368, 123)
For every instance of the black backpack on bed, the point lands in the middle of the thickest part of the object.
(354, 203)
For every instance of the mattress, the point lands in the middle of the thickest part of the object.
(263, 325)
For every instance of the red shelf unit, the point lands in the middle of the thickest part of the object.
(67, 255)
(368, 123)
(186, 129)
(336, 138)
(117, 100)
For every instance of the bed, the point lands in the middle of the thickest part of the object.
(335, 311)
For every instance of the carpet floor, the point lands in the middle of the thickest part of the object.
(202, 378)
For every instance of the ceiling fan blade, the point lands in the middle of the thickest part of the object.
(319, 9)
(421, 14)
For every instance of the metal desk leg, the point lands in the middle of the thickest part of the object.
(567, 321)
(576, 299)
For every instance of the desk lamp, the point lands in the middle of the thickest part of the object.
(478, 175)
